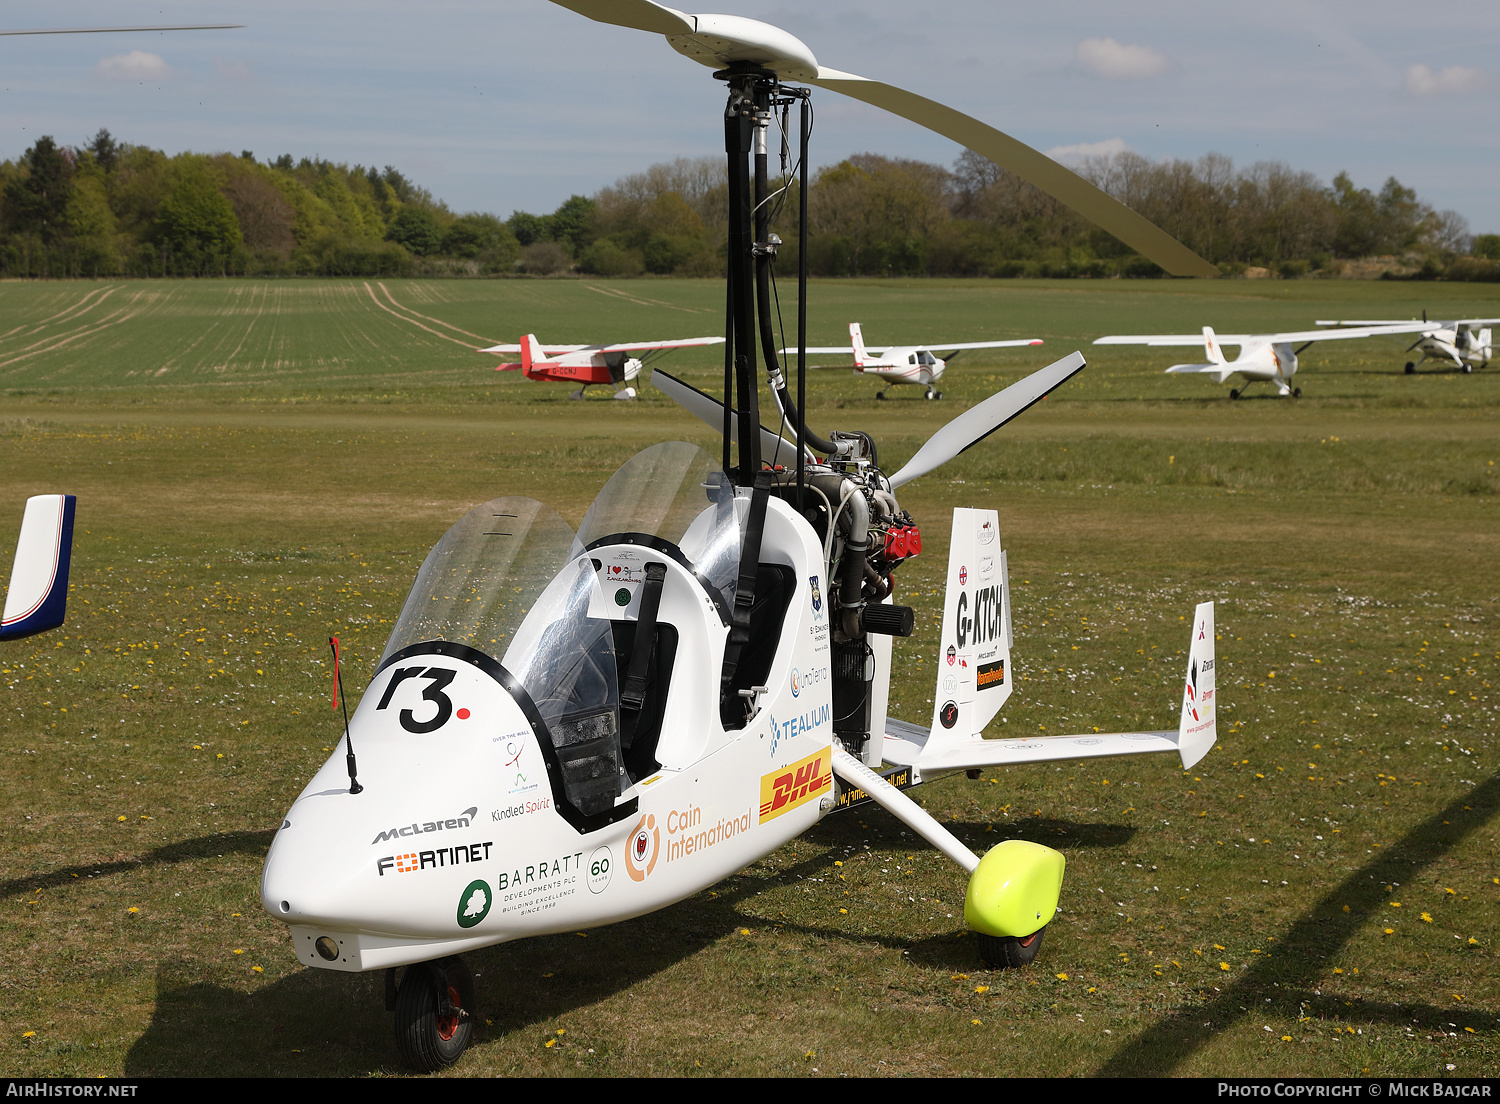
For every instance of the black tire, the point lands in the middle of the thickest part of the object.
(426, 1039)
(937, 395)
(931, 395)
(1468, 369)
(1233, 393)
(880, 395)
(1411, 368)
(1296, 392)
(1007, 952)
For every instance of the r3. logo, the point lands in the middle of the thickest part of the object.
(440, 677)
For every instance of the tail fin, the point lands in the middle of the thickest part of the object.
(857, 339)
(1198, 728)
(1211, 346)
(531, 353)
(38, 593)
(973, 676)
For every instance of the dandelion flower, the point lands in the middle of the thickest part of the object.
(1062, 977)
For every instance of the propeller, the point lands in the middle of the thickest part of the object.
(720, 40)
(710, 411)
(978, 422)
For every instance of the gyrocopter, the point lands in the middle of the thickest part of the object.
(568, 729)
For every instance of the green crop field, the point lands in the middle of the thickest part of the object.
(261, 464)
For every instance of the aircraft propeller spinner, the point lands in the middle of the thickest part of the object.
(719, 41)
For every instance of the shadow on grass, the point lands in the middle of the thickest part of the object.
(1286, 983)
(204, 847)
(321, 1023)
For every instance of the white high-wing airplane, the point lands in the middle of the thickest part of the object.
(588, 365)
(1457, 342)
(1267, 358)
(906, 363)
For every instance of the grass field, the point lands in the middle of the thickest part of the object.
(261, 464)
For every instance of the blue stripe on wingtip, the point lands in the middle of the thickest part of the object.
(53, 608)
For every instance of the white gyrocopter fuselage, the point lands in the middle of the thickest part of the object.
(1263, 358)
(905, 364)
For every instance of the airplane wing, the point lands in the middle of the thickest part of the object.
(954, 346)
(1288, 337)
(547, 350)
(930, 346)
(684, 343)
(1434, 324)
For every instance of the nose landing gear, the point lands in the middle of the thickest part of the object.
(434, 1013)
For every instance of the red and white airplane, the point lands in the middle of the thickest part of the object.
(589, 364)
(906, 363)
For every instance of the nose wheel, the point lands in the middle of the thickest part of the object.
(1005, 952)
(434, 1009)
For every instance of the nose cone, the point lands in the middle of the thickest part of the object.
(722, 39)
(434, 739)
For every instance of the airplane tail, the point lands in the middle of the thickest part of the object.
(973, 676)
(1211, 346)
(1198, 727)
(531, 354)
(857, 339)
(38, 594)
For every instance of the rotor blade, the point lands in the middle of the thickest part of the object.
(640, 14)
(977, 423)
(127, 30)
(1031, 166)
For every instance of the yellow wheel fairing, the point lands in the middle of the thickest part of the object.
(1014, 889)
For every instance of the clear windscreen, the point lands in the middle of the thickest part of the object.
(480, 581)
(677, 492)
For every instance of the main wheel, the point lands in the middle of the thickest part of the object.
(1296, 392)
(880, 395)
(931, 394)
(1411, 368)
(1234, 393)
(434, 1007)
(1008, 952)
(1468, 369)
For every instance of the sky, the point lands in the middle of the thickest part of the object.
(502, 105)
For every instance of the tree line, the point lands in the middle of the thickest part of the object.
(111, 208)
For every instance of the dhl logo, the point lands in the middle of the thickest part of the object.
(783, 790)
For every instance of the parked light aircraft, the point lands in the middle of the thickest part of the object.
(589, 364)
(38, 595)
(1457, 342)
(905, 363)
(1264, 358)
(568, 729)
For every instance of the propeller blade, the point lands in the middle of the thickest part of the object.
(773, 449)
(977, 423)
(639, 14)
(1035, 168)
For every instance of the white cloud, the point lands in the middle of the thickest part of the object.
(233, 70)
(138, 65)
(1454, 80)
(1083, 151)
(1104, 57)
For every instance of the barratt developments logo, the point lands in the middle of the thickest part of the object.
(783, 790)
(474, 903)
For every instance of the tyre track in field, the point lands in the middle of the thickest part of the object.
(430, 318)
(73, 308)
(123, 313)
(644, 302)
(413, 322)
